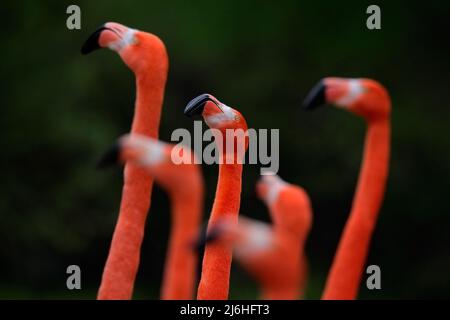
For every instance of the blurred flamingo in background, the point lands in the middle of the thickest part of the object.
(215, 277)
(184, 184)
(370, 100)
(146, 56)
(273, 254)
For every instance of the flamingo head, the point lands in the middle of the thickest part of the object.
(289, 204)
(136, 48)
(137, 149)
(269, 187)
(364, 97)
(218, 116)
(156, 157)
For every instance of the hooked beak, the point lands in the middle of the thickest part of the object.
(316, 97)
(110, 157)
(92, 43)
(196, 105)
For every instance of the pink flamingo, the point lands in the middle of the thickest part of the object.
(369, 100)
(184, 184)
(273, 254)
(146, 56)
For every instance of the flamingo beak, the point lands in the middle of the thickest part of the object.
(206, 237)
(110, 157)
(92, 44)
(316, 97)
(196, 105)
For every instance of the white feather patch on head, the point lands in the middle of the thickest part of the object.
(258, 238)
(126, 39)
(355, 90)
(154, 154)
(218, 118)
(274, 186)
(153, 149)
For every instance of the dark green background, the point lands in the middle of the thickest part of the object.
(60, 110)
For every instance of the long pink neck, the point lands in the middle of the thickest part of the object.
(123, 259)
(346, 272)
(287, 290)
(215, 278)
(181, 262)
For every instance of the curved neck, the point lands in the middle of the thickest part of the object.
(123, 259)
(214, 282)
(346, 272)
(180, 268)
(290, 258)
(149, 99)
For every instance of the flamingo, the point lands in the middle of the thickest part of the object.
(370, 100)
(215, 276)
(273, 254)
(146, 56)
(184, 183)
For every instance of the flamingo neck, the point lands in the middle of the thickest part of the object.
(269, 293)
(123, 260)
(290, 258)
(347, 268)
(290, 236)
(149, 99)
(180, 268)
(214, 282)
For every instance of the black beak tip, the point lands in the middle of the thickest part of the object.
(315, 97)
(91, 44)
(196, 105)
(205, 237)
(110, 157)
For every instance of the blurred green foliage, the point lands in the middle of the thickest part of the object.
(60, 110)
